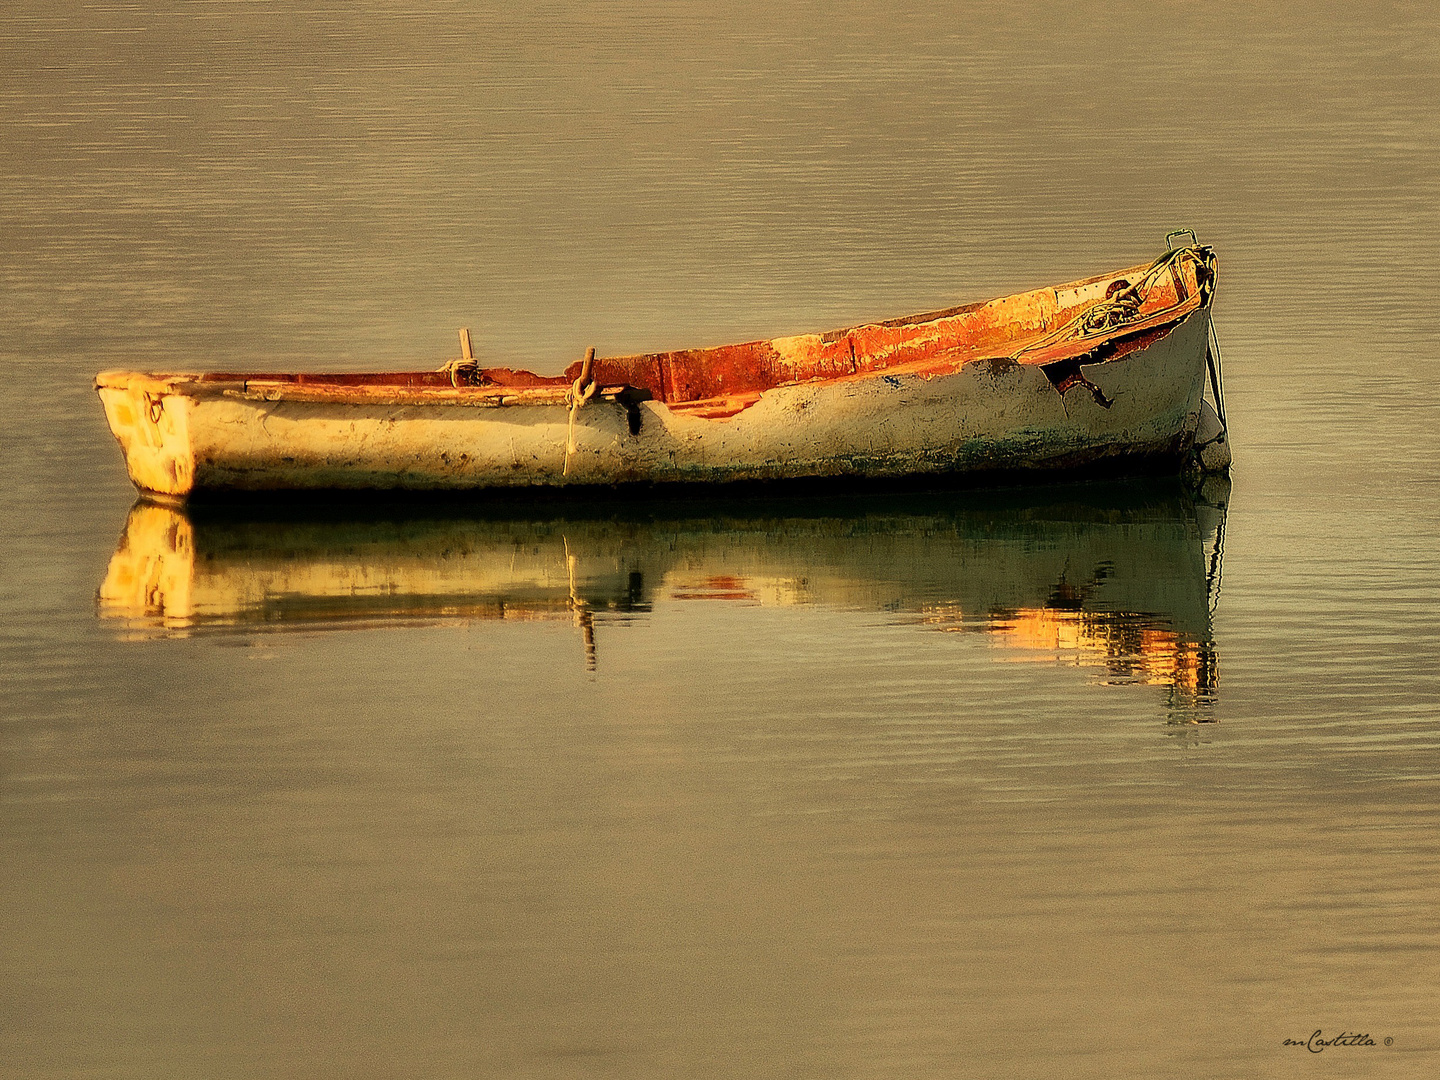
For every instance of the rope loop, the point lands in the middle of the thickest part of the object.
(1121, 306)
(582, 390)
(466, 370)
(462, 372)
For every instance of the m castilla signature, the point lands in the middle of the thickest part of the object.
(1317, 1042)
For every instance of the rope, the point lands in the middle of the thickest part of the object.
(465, 366)
(581, 391)
(1115, 311)
(1217, 384)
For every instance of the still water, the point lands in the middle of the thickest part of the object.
(1094, 780)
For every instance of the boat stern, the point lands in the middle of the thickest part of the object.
(151, 421)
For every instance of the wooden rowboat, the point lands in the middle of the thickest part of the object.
(1106, 372)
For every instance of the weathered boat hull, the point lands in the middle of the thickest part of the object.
(181, 434)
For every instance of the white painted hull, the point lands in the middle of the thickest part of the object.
(982, 418)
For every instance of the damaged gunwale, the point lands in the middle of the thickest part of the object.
(722, 381)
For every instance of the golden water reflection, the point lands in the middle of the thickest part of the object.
(1117, 579)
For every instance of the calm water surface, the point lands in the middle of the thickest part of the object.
(1103, 780)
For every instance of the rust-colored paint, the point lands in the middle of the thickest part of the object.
(723, 380)
(720, 381)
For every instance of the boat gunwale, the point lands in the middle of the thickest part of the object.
(520, 387)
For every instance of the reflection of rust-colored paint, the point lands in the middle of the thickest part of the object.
(1128, 647)
(715, 588)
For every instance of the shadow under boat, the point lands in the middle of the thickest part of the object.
(1119, 578)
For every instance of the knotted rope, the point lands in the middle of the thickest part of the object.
(581, 391)
(1118, 308)
(462, 372)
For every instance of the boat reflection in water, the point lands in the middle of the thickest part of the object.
(1116, 578)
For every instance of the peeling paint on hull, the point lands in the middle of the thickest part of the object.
(928, 414)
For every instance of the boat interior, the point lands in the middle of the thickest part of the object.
(1096, 319)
